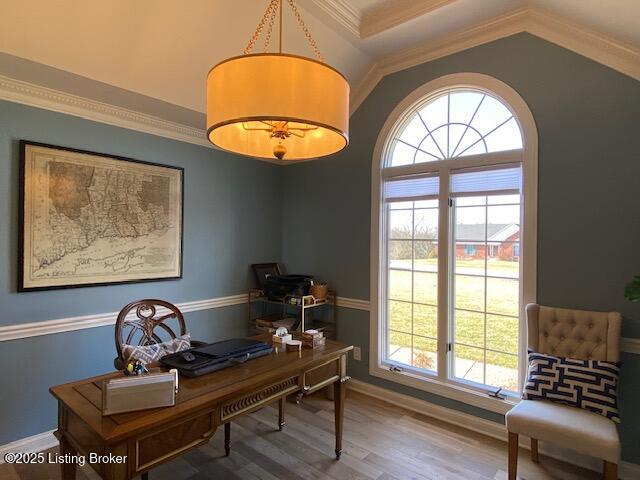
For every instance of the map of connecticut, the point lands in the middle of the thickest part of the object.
(93, 222)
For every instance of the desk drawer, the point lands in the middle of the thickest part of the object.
(321, 376)
(173, 440)
(258, 398)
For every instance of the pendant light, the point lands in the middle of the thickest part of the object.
(276, 104)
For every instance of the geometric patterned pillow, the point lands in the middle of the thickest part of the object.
(588, 384)
(153, 353)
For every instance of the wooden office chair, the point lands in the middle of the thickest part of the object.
(147, 329)
(576, 334)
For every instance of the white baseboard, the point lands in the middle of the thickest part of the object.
(627, 470)
(35, 443)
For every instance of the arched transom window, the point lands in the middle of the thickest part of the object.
(454, 238)
(455, 124)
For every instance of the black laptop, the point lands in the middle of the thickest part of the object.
(215, 356)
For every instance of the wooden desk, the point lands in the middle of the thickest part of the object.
(149, 438)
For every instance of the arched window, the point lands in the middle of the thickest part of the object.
(453, 238)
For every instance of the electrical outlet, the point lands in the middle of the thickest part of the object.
(356, 353)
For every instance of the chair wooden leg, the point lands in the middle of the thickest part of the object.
(610, 471)
(144, 476)
(227, 439)
(513, 455)
(534, 450)
(281, 413)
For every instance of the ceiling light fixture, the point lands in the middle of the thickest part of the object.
(276, 104)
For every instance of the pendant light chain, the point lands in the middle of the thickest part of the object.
(267, 39)
(268, 19)
(272, 5)
(306, 31)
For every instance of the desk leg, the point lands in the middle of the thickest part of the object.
(227, 439)
(67, 470)
(339, 389)
(281, 413)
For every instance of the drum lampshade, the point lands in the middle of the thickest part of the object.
(274, 104)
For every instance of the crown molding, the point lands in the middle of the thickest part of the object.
(387, 15)
(343, 13)
(590, 43)
(365, 87)
(55, 100)
(620, 56)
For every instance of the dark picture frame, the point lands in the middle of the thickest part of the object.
(263, 270)
(26, 238)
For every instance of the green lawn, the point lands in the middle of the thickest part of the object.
(501, 305)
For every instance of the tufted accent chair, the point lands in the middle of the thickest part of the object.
(578, 334)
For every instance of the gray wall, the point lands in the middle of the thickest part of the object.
(588, 212)
(229, 204)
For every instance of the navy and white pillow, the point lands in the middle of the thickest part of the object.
(588, 384)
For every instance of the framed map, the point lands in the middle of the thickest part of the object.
(94, 219)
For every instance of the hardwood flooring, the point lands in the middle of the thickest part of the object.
(381, 442)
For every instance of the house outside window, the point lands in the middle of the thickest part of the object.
(454, 207)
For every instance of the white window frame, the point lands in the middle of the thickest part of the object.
(528, 157)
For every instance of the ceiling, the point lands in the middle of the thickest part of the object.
(166, 51)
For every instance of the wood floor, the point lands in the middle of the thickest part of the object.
(381, 442)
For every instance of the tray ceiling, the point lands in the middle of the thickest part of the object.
(166, 51)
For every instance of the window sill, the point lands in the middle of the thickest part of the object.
(448, 390)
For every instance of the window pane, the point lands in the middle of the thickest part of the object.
(503, 260)
(426, 223)
(506, 137)
(400, 285)
(505, 220)
(400, 223)
(469, 259)
(426, 204)
(469, 328)
(471, 201)
(400, 205)
(425, 353)
(469, 292)
(402, 154)
(490, 114)
(503, 296)
(502, 333)
(470, 223)
(400, 316)
(439, 136)
(464, 105)
(425, 321)
(399, 347)
(471, 143)
(501, 199)
(431, 151)
(425, 254)
(455, 137)
(400, 254)
(502, 371)
(414, 132)
(425, 287)
(469, 363)
(435, 113)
